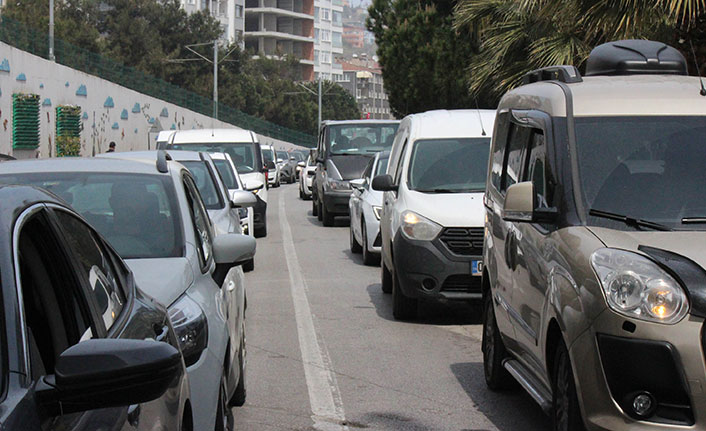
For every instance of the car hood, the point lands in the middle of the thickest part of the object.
(164, 279)
(448, 209)
(350, 166)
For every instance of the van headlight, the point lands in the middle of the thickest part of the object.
(338, 185)
(634, 286)
(191, 328)
(415, 226)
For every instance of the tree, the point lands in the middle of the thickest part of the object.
(423, 58)
(519, 36)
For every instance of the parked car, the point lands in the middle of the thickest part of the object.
(234, 184)
(78, 333)
(151, 212)
(344, 150)
(273, 168)
(365, 207)
(307, 176)
(594, 250)
(432, 215)
(299, 156)
(287, 166)
(244, 149)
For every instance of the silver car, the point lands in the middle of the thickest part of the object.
(365, 207)
(152, 214)
(234, 184)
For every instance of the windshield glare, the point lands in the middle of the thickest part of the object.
(449, 165)
(244, 155)
(360, 139)
(137, 214)
(205, 183)
(227, 174)
(650, 168)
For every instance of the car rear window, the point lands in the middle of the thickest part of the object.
(224, 168)
(138, 214)
(206, 184)
(245, 155)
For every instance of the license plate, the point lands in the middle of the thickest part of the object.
(477, 267)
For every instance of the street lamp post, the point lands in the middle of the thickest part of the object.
(51, 30)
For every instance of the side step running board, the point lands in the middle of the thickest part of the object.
(535, 388)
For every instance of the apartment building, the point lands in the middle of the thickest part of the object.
(363, 79)
(230, 13)
(354, 35)
(276, 28)
(328, 39)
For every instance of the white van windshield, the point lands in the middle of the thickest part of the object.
(449, 165)
(246, 156)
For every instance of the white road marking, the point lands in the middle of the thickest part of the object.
(324, 395)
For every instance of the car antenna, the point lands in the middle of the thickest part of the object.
(480, 118)
(696, 63)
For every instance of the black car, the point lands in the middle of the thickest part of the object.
(81, 347)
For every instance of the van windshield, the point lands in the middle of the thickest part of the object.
(646, 168)
(360, 138)
(449, 165)
(245, 155)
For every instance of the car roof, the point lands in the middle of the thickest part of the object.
(358, 122)
(104, 163)
(653, 95)
(204, 136)
(266, 147)
(455, 123)
(188, 156)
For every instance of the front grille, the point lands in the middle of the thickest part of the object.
(462, 283)
(463, 241)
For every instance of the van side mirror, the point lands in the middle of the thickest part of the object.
(521, 205)
(104, 372)
(357, 183)
(301, 164)
(384, 183)
(242, 199)
(252, 185)
(229, 250)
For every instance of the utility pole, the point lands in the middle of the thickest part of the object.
(319, 124)
(51, 31)
(215, 79)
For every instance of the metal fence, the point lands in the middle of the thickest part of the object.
(36, 42)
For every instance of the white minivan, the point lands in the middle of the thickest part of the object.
(432, 216)
(244, 149)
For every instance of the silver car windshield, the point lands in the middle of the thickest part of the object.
(449, 165)
(360, 139)
(227, 174)
(206, 183)
(646, 168)
(137, 214)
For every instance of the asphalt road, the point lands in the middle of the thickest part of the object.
(325, 353)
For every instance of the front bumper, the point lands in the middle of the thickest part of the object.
(427, 269)
(337, 202)
(621, 357)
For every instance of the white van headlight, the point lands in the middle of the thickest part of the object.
(415, 226)
(634, 286)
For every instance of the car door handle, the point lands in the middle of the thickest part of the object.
(160, 332)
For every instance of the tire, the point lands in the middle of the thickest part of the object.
(326, 217)
(369, 259)
(386, 278)
(224, 416)
(240, 393)
(319, 211)
(314, 207)
(249, 265)
(566, 413)
(403, 307)
(496, 376)
(301, 195)
(355, 245)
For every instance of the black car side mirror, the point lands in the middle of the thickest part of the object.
(108, 372)
(384, 183)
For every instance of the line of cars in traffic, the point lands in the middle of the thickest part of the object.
(123, 291)
(579, 227)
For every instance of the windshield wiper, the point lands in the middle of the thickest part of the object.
(693, 220)
(440, 190)
(630, 221)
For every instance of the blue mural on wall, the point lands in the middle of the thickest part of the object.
(123, 115)
(66, 84)
(21, 77)
(173, 127)
(164, 113)
(116, 126)
(41, 85)
(136, 108)
(85, 116)
(109, 103)
(47, 102)
(151, 120)
(5, 65)
(82, 91)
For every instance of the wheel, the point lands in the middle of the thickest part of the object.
(314, 207)
(496, 376)
(355, 245)
(319, 211)
(249, 265)
(326, 216)
(370, 259)
(301, 195)
(224, 416)
(566, 413)
(241, 390)
(403, 307)
(386, 279)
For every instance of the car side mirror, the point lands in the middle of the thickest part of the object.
(301, 164)
(521, 205)
(357, 183)
(292, 159)
(280, 160)
(104, 372)
(242, 199)
(384, 183)
(229, 250)
(270, 164)
(252, 185)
